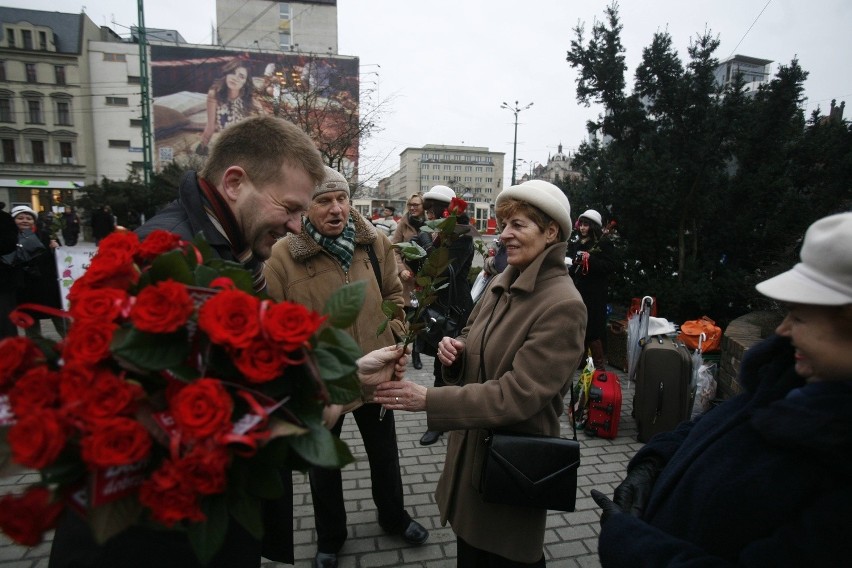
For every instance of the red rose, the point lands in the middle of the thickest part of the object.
(170, 497)
(123, 241)
(157, 243)
(259, 362)
(117, 441)
(37, 438)
(202, 409)
(162, 308)
(17, 354)
(111, 267)
(38, 388)
(457, 206)
(106, 396)
(290, 325)
(76, 383)
(88, 341)
(231, 318)
(25, 518)
(102, 305)
(205, 469)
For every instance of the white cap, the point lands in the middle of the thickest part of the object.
(547, 197)
(593, 216)
(824, 276)
(440, 193)
(18, 209)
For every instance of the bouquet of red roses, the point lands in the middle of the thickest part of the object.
(176, 397)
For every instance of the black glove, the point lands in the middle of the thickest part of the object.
(633, 493)
(608, 507)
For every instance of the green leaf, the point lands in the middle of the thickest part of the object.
(333, 337)
(345, 390)
(204, 275)
(410, 251)
(382, 327)
(171, 265)
(151, 351)
(245, 508)
(203, 247)
(114, 517)
(333, 363)
(206, 538)
(345, 304)
(322, 448)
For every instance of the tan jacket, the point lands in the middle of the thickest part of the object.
(404, 231)
(301, 271)
(532, 346)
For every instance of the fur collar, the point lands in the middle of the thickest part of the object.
(303, 246)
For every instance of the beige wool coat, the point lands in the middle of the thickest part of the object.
(300, 270)
(532, 346)
(404, 232)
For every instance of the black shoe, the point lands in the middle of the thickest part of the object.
(415, 533)
(429, 438)
(415, 360)
(328, 559)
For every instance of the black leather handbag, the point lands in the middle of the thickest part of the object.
(440, 321)
(530, 470)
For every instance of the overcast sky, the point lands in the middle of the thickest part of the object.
(446, 65)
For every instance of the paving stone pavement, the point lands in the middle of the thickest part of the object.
(570, 538)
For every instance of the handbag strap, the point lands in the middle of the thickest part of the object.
(375, 262)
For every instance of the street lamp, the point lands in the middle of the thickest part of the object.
(516, 110)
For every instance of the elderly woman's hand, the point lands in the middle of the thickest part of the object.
(401, 395)
(449, 350)
(381, 365)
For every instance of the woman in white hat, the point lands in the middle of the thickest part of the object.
(508, 365)
(763, 479)
(593, 262)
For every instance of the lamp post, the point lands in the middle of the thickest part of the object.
(516, 110)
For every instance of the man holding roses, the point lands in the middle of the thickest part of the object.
(337, 246)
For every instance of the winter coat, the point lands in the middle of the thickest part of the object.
(403, 233)
(38, 278)
(761, 480)
(103, 223)
(142, 547)
(593, 283)
(533, 341)
(300, 270)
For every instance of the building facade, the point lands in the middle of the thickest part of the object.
(754, 71)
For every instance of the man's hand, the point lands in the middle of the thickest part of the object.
(633, 493)
(382, 365)
(609, 508)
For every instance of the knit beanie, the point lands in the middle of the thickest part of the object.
(18, 209)
(547, 197)
(332, 181)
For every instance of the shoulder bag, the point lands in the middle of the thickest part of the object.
(529, 470)
(441, 321)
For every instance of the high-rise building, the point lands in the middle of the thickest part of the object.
(308, 26)
(754, 71)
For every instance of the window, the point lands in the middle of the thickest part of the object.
(38, 151)
(63, 113)
(284, 10)
(34, 112)
(117, 101)
(136, 122)
(119, 143)
(31, 73)
(27, 36)
(10, 37)
(66, 152)
(6, 110)
(9, 154)
(114, 57)
(284, 34)
(134, 80)
(59, 70)
(2, 70)
(42, 40)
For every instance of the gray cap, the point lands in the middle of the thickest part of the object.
(332, 181)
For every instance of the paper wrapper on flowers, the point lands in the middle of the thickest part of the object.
(177, 395)
(580, 412)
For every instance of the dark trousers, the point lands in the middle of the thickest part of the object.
(327, 484)
(471, 557)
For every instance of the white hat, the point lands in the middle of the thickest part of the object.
(824, 276)
(593, 216)
(18, 209)
(440, 193)
(332, 181)
(547, 197)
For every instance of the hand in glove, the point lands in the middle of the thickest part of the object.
(608, 507)
(633, 493)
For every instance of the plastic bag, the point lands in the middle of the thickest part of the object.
(705, 389)
(580, 412)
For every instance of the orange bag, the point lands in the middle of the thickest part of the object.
(692, 329)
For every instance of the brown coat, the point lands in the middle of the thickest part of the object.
(533, 344)
(300, 270)
(403, 233)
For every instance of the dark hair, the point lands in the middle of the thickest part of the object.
(247, 90)
(595, 229)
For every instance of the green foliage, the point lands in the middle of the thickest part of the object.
(711, 189)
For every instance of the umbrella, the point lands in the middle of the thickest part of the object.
(697, 361)
(637, 334)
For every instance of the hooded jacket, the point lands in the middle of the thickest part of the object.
(533, 342)
(761, 480)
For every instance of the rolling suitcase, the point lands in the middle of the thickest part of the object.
(604, 405)
(663, 384)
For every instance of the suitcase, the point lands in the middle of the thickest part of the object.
(604, 405)
(663, 375)
(616, 344)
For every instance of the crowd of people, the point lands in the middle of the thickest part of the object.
(761, 479)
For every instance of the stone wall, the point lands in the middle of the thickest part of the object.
(741, 334)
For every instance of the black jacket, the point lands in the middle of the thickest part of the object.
(593, 284)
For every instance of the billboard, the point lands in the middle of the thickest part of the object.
(198, 92)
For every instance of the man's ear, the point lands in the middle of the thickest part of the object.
(232, 182)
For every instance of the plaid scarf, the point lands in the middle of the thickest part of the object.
(226, 224)
(341, 247)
